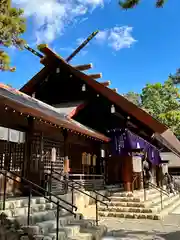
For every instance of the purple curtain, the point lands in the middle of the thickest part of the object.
(123, 141)
(120, 144)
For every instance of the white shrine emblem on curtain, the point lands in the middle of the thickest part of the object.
(138, 145)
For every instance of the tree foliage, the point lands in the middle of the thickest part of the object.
(176, 77)
(127, 4)
(162, 102)
(12, 25)
(133, 97)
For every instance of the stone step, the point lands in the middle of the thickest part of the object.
(47, 227)
(139, 195)
(156, 202)
(97, 232)
(153, 212)
(124, 199)
(114, 186)
(34, 208)
(148, 194)
(22, 209)
(23, 202)
(38, 237)
(71, 232)
(122, 194)
(82, 226)
(170, 207)
(43, 221)
(130, 215)
(128, 209)
(83, 236)
(124, 204)
(114, 189)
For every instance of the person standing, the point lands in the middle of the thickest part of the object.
(147, 173)
(169, 183)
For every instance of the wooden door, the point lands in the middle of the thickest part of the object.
(113, 170)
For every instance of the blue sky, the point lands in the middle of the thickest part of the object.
(134, 47)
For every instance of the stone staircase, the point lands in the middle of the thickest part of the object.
(58, 187)
(132, 205)
(13, 222)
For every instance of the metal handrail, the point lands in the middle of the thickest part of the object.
(33, 190)
(43, 189)
(94, 191)
(57, 203)
(83, 192)
(79, 190)
(159, 189)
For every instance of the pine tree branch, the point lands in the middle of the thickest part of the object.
(128, 4)
(12, 25)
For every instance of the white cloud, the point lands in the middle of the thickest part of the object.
(79, 41)
(83, 19)
(67, 49)
(117, 37)
(102, 36)
(51, 17)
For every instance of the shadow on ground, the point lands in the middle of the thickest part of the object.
(142, 235)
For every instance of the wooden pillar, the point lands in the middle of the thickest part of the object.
(28, 148)
(105, 163)
(7, 158)
(66, 152)
(127, 172)
(41, 162)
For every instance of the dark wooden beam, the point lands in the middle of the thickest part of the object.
(95, 75)
(83, 67)
(106, 84)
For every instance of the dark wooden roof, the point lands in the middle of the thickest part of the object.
(171, 158)
(163, 134)
(28, 105)
(69, 109)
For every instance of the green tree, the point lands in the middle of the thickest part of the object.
(133, 97)
(176, 77)
(162, 102)
(127, 4)
(12, 25)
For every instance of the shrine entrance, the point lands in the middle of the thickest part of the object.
(113, 170)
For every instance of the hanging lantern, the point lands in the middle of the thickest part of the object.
(94, 160)
(84, 156)
(102, 153)
(83, 87)
(57, 70)
(66, 164)
(89, 159)
(113, 110)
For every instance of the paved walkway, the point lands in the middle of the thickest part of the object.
(135, 229)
